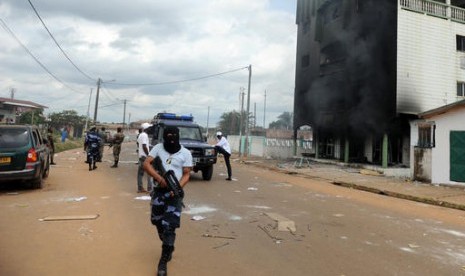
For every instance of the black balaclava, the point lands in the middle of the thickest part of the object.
(171, 142)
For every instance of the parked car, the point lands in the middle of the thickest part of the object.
(24, 155)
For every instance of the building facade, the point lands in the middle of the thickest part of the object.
(365, 68)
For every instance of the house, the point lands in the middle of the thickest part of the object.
(10, 109)
(438, 148)
(365, 69)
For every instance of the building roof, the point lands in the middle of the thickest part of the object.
(10, 101)
(442, 109)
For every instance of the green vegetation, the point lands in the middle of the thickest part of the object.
(69, 144)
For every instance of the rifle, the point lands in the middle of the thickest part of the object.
(170, 178)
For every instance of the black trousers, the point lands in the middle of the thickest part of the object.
(226, 159)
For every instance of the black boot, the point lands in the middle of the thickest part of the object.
(115, 165)
(166, 253)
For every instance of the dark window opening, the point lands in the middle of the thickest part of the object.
(460, 43)
(461, 89)
(305, 61)
(426, 135)
(332, 53)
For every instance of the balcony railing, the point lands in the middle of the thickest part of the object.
(434, 8)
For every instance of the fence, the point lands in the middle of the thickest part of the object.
(270, 147)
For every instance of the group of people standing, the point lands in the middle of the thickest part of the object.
(95, 142)
(166, 208)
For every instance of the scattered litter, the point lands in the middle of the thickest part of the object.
(463, 268)
(252, 189)
(13, 193)
(196, 218)
(268, 233)
(411, 245)
(83, 217)
(338, 215)
(219, 237)
(237, 191)
(282, 223)
(143, 198)
(219, 246)
(199, 210)
(22, 205)
(77, 198)
(278, 241)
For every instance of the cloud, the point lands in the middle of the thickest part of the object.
(146, 41)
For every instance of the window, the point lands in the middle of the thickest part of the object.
(460, 89)
(460, 43)
(426, 135)
(305, 61)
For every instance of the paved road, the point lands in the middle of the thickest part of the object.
(227, 227)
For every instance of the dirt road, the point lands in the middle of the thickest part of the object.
(226, 227)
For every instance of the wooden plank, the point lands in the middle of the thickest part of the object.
(82, 217)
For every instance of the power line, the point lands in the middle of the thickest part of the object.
(9, 31)
(58, 45)
(180, 81)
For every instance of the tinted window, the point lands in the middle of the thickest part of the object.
(13, 137)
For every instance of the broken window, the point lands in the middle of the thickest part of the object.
(426, 135)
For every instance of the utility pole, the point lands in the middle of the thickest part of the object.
(264, 112)
(124, 113)
(99, 82)
(247, 115)
(208, 118)
(88, 107)
(241, 120)
(129, 120)
(254, 115)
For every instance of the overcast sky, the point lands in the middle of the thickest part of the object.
(156, 54)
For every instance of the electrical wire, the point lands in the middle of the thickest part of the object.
(180, 81)
(58, 45)
(10, 32)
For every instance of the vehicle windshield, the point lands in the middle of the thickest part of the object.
(189, 133)
(13, 137)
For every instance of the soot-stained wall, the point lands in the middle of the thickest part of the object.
(346, 66)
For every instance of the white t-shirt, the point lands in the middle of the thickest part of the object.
(143, 139)
(176, 161)
(224, 144)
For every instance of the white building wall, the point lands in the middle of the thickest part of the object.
(428, 64)
(440, 157)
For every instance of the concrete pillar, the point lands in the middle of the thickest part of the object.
(385, 151)
(346, 151)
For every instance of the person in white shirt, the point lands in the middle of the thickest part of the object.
(143, 150)
(222, 146)
(166, 208)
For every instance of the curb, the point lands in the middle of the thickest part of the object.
(430, 201)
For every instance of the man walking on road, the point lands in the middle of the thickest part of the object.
(166, 208)
(91, 146)
(118, 138)
(143, 142)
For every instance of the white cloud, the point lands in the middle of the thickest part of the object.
(146, 41)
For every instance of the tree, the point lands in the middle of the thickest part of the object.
(33, 117)
(230, 122)
(67, 118)
(284, 121)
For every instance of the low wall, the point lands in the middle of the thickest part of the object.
(270, 147)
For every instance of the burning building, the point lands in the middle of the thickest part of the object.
(365, 68)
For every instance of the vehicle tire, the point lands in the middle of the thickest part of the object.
(46, 169)
(38, 182)
(207, 173)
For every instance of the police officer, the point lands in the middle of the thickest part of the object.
(222, 146)
(91, 146)
(166, 209)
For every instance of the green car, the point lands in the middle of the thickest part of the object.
(24, 155)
